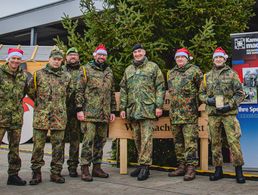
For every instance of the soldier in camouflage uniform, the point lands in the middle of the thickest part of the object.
(13, 86)
(183, 85)
(223, 82)
(49, 88)
(142, 96)
(95, 99)
(72, 131)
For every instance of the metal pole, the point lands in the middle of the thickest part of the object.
(33, 36)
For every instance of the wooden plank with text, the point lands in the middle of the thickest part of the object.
(121, 129)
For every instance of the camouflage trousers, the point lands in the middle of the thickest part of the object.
(39, 141)
(72, 132)
(14, 160)
(185, 138)
(94, 139)
(143, 130)
(233, 133)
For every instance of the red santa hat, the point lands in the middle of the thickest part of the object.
(101, 49)
(220, 52)
(184, 52)
(14, 52)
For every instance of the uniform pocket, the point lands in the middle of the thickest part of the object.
(226, 87)
(148, 107)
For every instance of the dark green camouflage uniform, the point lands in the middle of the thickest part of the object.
(223, 82)
(13, 88)
(142, 91)
(72, 131)
(49, 94)
(183, 86)
(95, 97)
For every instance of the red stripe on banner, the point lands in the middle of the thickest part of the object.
(25, 101)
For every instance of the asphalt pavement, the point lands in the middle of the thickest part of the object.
(158, 183)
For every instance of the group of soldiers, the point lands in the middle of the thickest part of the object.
(75, 98)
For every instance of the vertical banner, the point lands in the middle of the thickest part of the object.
(245, 63)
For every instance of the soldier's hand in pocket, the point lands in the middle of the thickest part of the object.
(224, 109)
(80, 116)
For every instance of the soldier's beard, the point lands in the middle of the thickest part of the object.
(74, 63)
(100, 61)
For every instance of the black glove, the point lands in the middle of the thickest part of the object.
(224, 109)
(211, 101)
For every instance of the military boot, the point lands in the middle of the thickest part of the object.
(190, 173)
(57, 178)
(239, 174)
(85, 176)
(98, 172)
(15, 180)
(144, 173)
(36, 177)
(73, 172)
(180, 171)
(136, 172)
(218, 174)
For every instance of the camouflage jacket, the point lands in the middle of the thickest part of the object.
(74, 71)
(142, 90)
(183, 86)
(95, 92)
(222, 82)
(13, 88)
(50, 89)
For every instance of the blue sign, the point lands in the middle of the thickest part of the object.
(245, 63)
(248, 118)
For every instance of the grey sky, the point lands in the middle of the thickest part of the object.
(9, 7)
